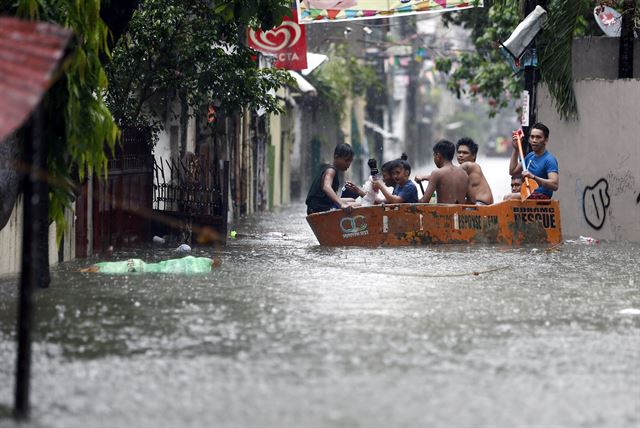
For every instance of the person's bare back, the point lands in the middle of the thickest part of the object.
(479, 189)
(451, 184)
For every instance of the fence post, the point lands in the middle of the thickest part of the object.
(225, 200)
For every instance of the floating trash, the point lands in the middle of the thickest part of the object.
(629, 311)
(583, 240)
(588, 240)
(159, 240)
(184, 248)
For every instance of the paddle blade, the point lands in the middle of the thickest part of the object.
(527, 188)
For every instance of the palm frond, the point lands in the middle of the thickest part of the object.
(555, 56)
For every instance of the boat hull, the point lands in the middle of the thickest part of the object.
(508, 222)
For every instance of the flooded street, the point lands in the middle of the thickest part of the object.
(121, 120)
(288, 333)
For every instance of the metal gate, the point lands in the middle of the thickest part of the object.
(190, 198)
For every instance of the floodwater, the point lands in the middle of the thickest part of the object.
(290, 334)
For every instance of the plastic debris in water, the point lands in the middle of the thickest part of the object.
(275, 234)
(588, 240)
(629, 311)
(583, 240)
(188, 264)
(184, 248)
(233, 234)
(158, 240)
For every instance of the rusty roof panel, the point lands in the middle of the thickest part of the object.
(30, 54)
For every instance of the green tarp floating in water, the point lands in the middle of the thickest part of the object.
(187, 264)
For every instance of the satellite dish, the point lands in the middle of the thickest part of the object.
(609, 20)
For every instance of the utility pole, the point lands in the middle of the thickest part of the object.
(625, 62)
(35, 264)
(531, 75)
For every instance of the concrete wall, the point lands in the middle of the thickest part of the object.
(598, 154)
(597, 57)
(11, 238)
(275, 130)
(599, 158)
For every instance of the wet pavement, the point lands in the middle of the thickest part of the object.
(288, 333)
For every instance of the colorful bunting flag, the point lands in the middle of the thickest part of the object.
(311, 11)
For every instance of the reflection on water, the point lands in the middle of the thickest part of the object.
(287, 333)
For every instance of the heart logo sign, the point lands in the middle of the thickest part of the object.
(284, 36)
(595, 201)
(287, 43)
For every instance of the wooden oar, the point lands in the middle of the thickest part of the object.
(421, 188)
(528, 186)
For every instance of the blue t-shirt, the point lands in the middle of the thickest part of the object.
(408, 192)
(541, 166)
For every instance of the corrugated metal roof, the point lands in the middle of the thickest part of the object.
(30, 53)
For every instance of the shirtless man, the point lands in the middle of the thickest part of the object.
(450, 182)
(479, 191)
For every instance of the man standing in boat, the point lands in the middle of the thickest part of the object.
(450, 182)
(479, 192)
(323, 194)
(542, 166)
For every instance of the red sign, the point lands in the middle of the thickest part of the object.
(287, 42)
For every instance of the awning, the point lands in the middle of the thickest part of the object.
(303, 85)
(313, 61)
(378, 129)
(30, 54)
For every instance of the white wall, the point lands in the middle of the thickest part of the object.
(599, 159)
(11, 239)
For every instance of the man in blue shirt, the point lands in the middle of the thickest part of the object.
(542, 166)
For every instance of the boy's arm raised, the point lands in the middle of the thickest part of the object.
(514, 165)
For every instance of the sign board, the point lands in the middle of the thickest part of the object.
(524, 120)
(286, 42)
(311, 11)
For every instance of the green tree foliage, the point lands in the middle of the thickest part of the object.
(192, 49)
(485, 73)
(79, 124)
(265, 14)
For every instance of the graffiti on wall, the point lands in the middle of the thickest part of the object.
(595, 201)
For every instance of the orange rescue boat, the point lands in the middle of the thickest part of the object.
(509, 222)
